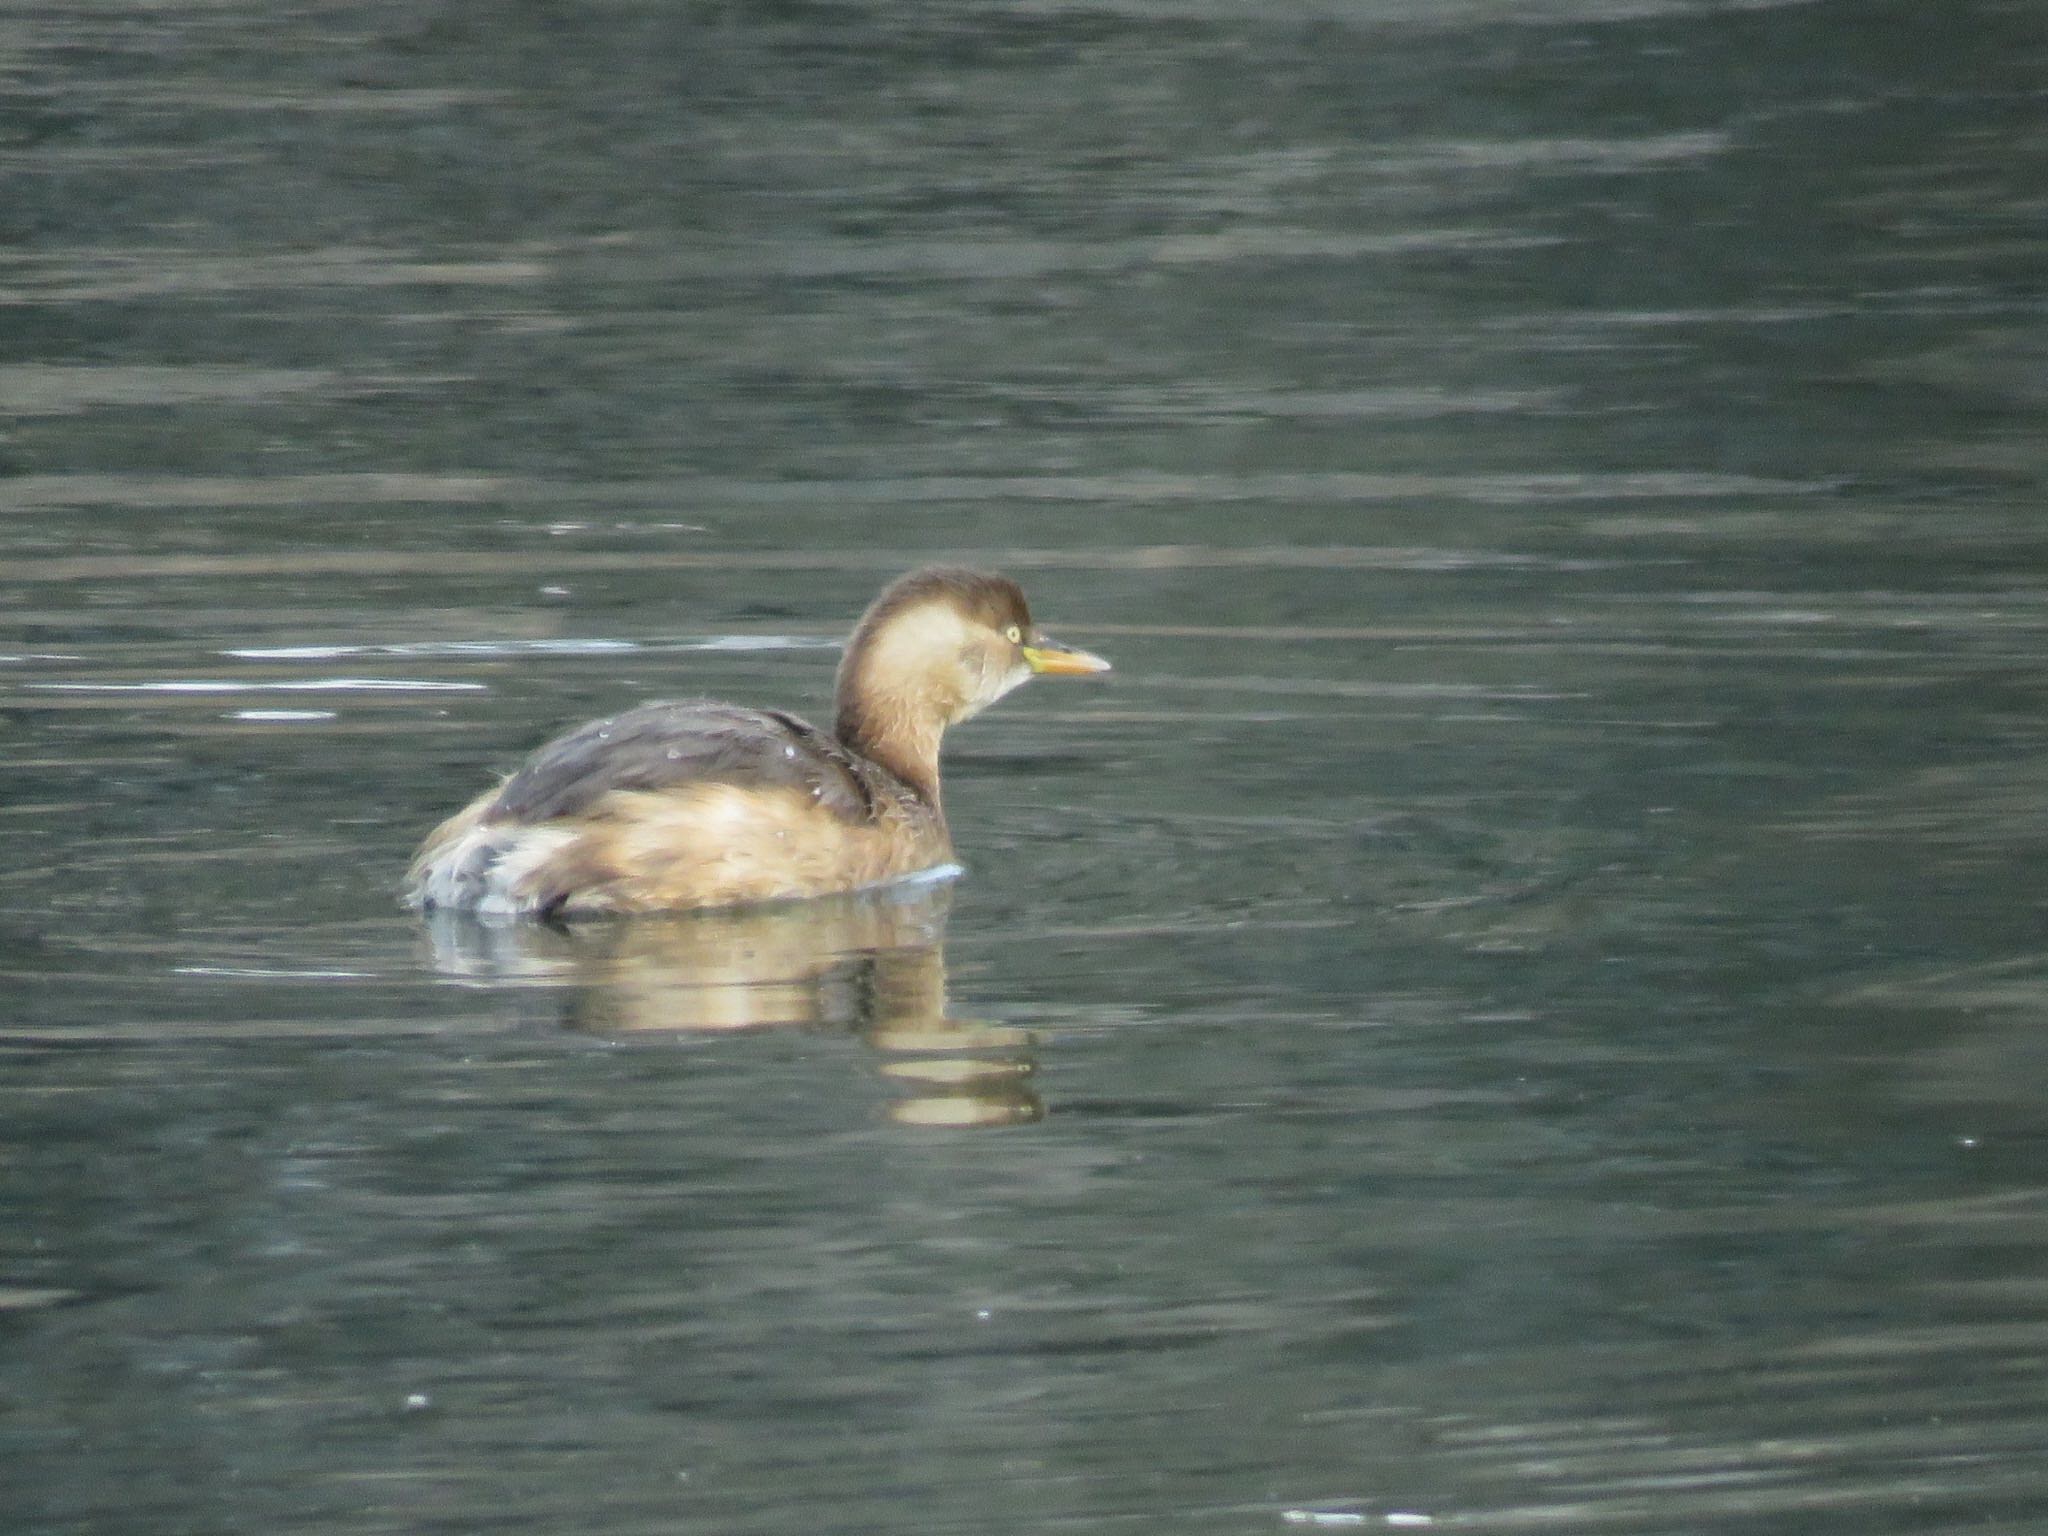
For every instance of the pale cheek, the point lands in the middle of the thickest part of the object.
(1018, 674)
(990, 682)
(974, 681)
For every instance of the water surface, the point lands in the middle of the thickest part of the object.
(1516, 1006)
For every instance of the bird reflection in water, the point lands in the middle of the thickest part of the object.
(870, 963)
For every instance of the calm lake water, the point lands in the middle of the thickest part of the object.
(1521, 1005)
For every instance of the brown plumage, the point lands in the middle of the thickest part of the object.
(702, 804)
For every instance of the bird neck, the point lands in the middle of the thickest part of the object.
(898, 730)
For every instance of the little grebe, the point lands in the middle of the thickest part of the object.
(702, 804)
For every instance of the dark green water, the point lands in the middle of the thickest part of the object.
(1520, 1005)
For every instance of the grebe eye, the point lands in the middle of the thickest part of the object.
(1014, 635)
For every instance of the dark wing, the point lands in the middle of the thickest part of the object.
(664, 746)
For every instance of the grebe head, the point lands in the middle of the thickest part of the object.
(939, 646)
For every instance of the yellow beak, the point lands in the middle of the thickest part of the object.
(1050, 659)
